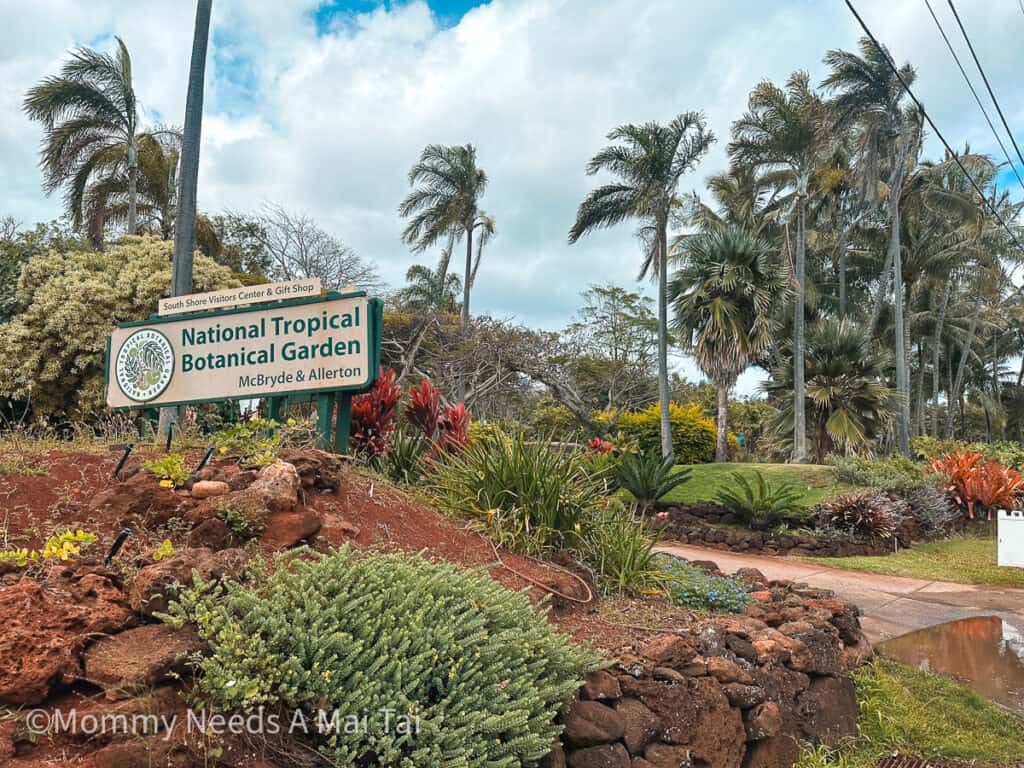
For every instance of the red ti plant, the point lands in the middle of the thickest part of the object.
(597, 445)
(373, 415)
(454, 428)
(988, 484)
(424, 409)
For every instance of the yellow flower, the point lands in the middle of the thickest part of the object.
(166, 484)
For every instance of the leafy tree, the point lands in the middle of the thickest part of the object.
(869, 94)
(18, 246)
(236, 240)
(52, 353)
(784, 129)
(91, 127)
(848, 404)
(649, 160)
(446, 203)
(722, 300)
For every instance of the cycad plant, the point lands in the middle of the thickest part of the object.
(758, 502)
(648, 160)
(649, 477)
(91, 127)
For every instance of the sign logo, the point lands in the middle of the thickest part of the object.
(144, 365)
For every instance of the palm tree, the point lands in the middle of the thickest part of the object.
(869, 94)
(447, 204)
(848, 405)
(649, 164)
(722, 300)
(91, 127)
(107, 200)
(784, 129)
(424, 291)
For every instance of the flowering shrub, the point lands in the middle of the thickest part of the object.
(171, 470)
(976, 482)
(65, 546)
(689, 586)
(597, 445)
(373, 415)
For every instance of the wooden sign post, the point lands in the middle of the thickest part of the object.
(325, 347)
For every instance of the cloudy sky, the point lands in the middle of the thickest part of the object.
(323, 106)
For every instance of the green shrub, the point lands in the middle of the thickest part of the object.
(602, 468)
(244, 520)
(1009, 453)
(527, 495)
(760, 504)
(649, 477)
(691, 587)
(478, 666)
(170, 470)
(620, 548)
(403, 463)
(693, 434)
(251, 442)
(895, 473)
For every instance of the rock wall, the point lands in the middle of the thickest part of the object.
(737, 692)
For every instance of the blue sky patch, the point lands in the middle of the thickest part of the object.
(328, 14)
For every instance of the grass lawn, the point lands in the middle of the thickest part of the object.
(966, 559)
(816, 481)
(918, 713)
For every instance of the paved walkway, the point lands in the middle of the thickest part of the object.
(890, 605)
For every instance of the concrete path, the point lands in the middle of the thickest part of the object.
(890, 605)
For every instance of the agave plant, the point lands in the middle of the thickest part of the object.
(649, 477)
(759, 503)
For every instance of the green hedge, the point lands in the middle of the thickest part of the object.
(693, 434)
(478, 665)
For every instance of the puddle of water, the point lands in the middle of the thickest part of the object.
(985, 653)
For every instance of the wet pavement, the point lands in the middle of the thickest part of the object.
(890, 605)
(984, 652)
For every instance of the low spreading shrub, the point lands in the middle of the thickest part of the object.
(975, 482)
(693, 434)
(689, 586)
(759, 503)
(63, 546)
(528, 496)
(649, 477)
(895, 473)
(250, 442)
(620, 548)
(476, 669)
(864, 515)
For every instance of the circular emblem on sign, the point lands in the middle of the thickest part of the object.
(144, 365)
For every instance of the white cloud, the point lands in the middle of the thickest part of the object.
(330, 124)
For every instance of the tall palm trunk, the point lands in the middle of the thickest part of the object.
(188, 179)
(896, 257)
(467, 284)
(799, 387)
(937, 353)
(842, 271)
(721, 436)
(882, 293)
(663, 394)
(133, 172)
(961, 369)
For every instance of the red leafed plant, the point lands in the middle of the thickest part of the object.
(424, 409)
(597, 445)
(973, 482)
(373, 415)
(454, 428)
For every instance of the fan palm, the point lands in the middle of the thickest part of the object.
(848, 404)
(91, 127)
(446, 203)
(424, 290)
(649, 160)
(869, 94)
(722, 300)
(783, 128)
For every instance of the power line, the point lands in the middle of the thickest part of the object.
(975, 93)
(984, 77)
(931, 123)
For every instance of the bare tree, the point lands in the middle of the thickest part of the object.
(299, 248)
